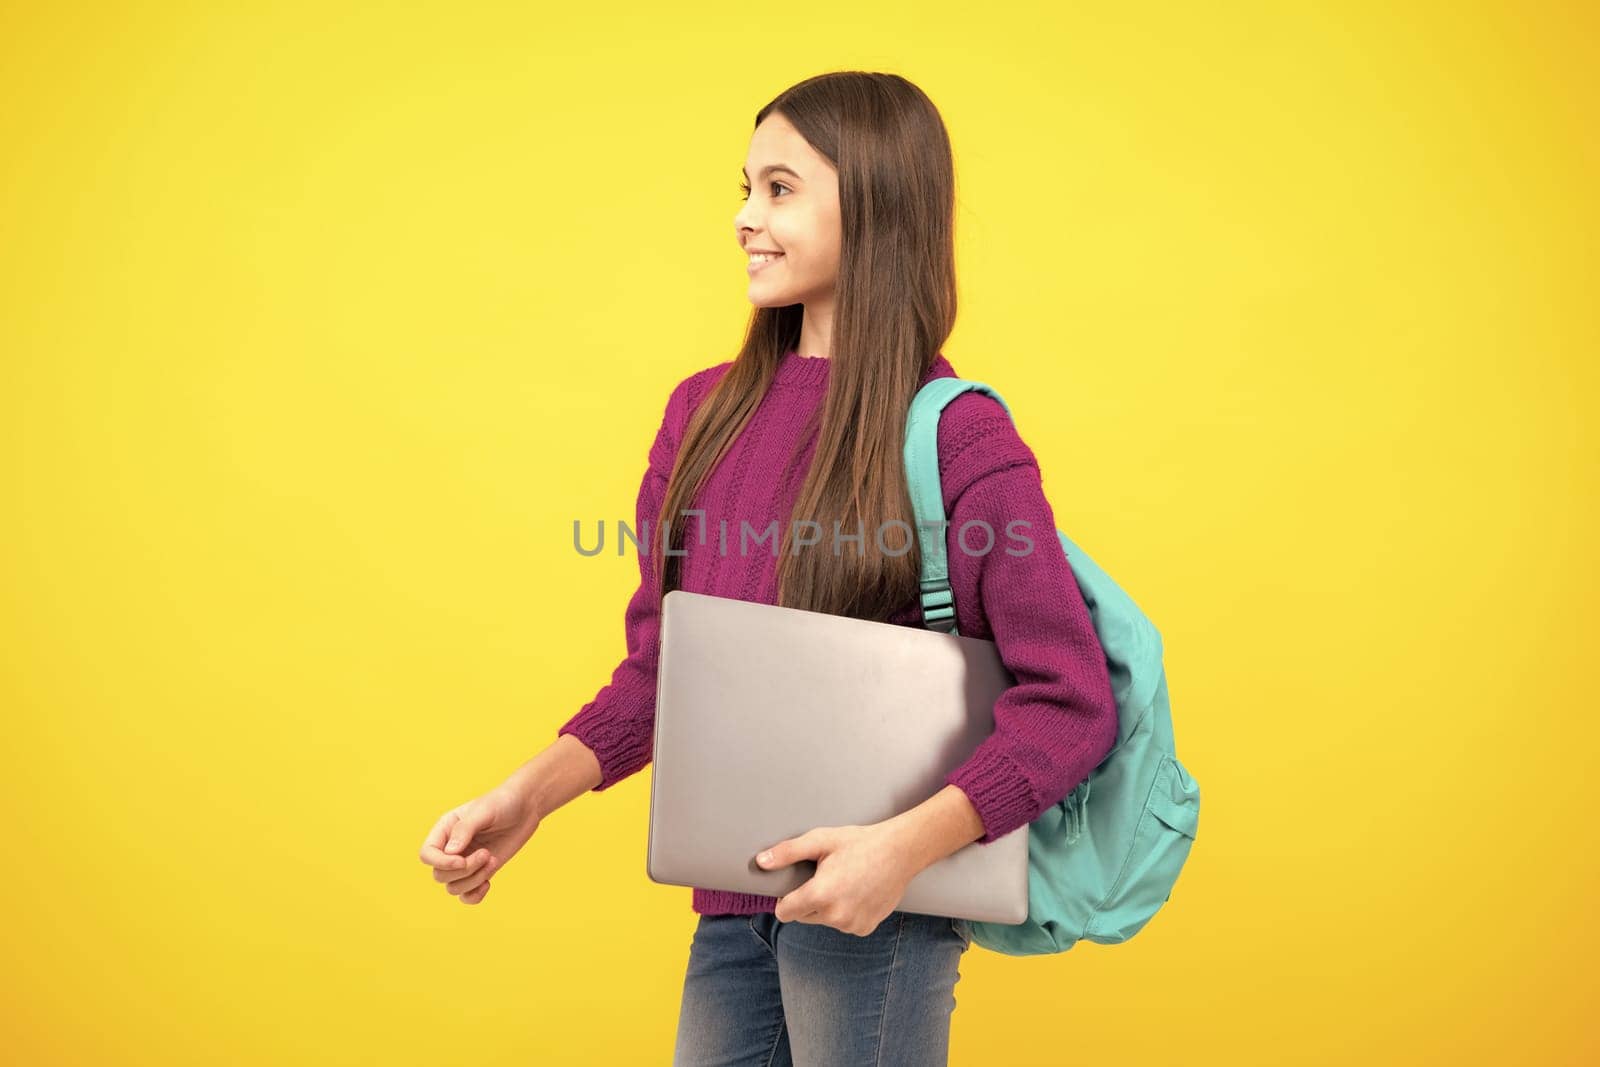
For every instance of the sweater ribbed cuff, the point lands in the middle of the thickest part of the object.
(621, 737)
(1004, 796)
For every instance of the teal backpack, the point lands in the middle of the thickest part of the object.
(1097, 877)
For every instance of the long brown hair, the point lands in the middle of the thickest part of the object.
(895, 305)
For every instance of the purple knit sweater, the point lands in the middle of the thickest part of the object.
(1052, 728)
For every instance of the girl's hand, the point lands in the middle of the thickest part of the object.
(862, 872)
(499, 823)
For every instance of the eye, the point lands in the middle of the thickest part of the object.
(744, 188)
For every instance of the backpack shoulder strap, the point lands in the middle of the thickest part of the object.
(927, 496)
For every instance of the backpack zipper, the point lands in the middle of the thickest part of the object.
(1077, 806)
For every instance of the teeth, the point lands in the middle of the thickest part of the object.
(759, 258)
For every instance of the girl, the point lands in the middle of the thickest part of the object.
(847, 225)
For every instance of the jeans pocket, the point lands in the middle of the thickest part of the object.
(763, 925)
(962, 928)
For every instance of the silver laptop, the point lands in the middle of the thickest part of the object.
(772, 720)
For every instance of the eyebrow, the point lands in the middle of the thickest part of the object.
(772, 167)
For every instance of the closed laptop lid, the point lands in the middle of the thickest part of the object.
(773, 720)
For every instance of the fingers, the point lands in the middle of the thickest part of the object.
(814, 844)
(433, 853)
(799, 903)
(446, 846)
(470, 866)
(442, 861)
(477, 876)
(464, 874)
(463, 829)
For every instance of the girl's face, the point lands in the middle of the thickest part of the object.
(791, 208)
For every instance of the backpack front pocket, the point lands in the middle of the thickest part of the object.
(1161, 843)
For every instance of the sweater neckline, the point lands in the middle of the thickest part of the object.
(795, 369)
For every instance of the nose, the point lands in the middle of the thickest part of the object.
(744, 224)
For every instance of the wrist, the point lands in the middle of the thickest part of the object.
(527, 784)
(908, 841)
(565, 770)
(941, 825)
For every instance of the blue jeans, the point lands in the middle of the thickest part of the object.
(762, 992)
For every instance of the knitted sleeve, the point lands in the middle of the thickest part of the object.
(1059, 720)
(618, 724)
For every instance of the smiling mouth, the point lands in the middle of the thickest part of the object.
(761, 263)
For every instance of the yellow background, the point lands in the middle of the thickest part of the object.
(321, 323)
